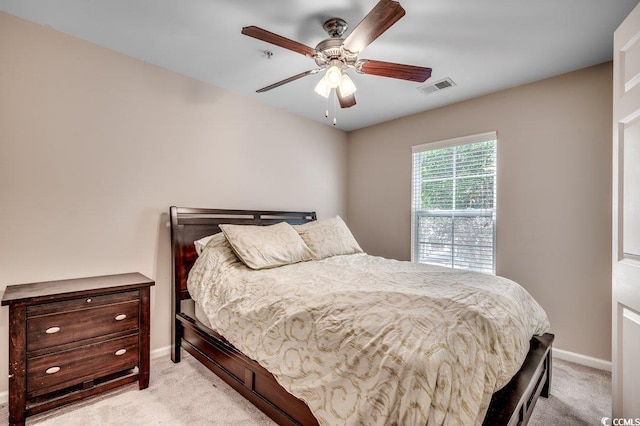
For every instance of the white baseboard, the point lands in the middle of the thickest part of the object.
(600, 364)
(160, 352)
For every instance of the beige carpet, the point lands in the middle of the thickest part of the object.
(189, 394)
(579, 396)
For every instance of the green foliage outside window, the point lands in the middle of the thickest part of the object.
(471, 176)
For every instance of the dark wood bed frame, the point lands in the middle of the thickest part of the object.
(512, 405)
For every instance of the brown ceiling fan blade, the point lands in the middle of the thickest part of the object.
(345, 101)
(382, 16)
(288, 80)
(278, 40)
(390, 69)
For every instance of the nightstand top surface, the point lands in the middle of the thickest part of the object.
(75, 287)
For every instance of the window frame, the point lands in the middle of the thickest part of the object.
(447, 143)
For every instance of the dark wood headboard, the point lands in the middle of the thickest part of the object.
(191, 224)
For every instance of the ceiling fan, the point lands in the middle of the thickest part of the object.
(337, 54)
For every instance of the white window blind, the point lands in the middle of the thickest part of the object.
(454, 203)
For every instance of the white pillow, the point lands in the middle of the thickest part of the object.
(328, 237)
(201, 243)
(262, 247)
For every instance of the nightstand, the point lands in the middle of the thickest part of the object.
(75, 338)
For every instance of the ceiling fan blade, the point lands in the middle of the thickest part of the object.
(380, 18)
(288, 80)
(393, 70)
(345, 101)
(278, 40)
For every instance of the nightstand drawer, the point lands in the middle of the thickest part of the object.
(63, 369)
(80, 303)
(66, 327)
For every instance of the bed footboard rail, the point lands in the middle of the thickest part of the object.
(513, 404)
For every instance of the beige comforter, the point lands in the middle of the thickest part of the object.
(368, 340)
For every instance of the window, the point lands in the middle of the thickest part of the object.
(454, 203)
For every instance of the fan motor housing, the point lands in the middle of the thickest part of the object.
(331, 49)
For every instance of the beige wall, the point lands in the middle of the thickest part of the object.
(95, 146)
(553, 193)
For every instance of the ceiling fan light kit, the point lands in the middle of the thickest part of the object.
(335, 78)
(337, 54)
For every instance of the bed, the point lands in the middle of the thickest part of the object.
(511, 405)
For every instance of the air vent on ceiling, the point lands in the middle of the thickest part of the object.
(436, 86)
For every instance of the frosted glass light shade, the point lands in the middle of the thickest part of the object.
(322, 88)
(347, 88)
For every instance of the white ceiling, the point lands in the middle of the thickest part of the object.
(484, 46)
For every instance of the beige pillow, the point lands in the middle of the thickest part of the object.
(328, 237)
(262, 247)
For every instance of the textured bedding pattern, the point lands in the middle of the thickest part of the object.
(368, 340)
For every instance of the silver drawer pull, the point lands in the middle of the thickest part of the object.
(120, 317)
(52, 330)
(52, 370)
(121, 352)
(89, 300)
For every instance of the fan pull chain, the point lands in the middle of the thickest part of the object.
(326, 109)
(335, 98)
